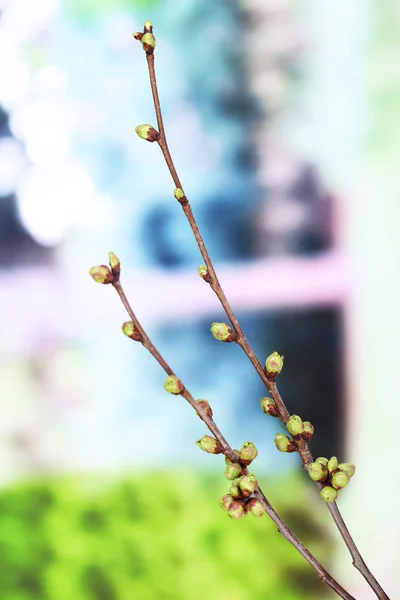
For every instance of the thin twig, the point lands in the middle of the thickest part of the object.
(228, 451)
(304, 452)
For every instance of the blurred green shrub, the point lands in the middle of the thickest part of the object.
(155, 536)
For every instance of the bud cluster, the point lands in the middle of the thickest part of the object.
(146, 38)
(297, 427)
(333, 475)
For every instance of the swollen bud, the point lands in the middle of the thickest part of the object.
(347, 468)
(203, 273)
(228, 460)
(232, 471)
(317, 472)
(114, 262)
(173, 385)
(222, 332)
(295, 425)
(322, 460)
(269, 407)
(206, 407)
(209, 444)
(256, 507)
(284, 443)
(332, 464)
(248, 453)
(248, 485)
(339, 480)
(273, 365)
(236, 510)
(226, 501)
(148, 42)
(147, 132)
(148, 27)
(328, 493)
(129, 329)
(234, 491)
(179, 194)
(101, 274)
(308, 430)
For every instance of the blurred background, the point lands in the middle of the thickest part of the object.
(283, 121)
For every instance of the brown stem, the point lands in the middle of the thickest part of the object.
(228, 451)
(305, 454)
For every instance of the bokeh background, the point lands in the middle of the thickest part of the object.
(283, 120)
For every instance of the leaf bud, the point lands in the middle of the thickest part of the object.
(248, 485)
(138, 35)
(234, 491)
(322, 460)
(222, 332)
(226, 501)
(206, 407)
(328, 494)
(273, 365)
(332, 464)
(148, 42)
(317, 471)
(101, 274)
(347, 468)
(173, 385)
(268, 406)
(147, 132)
(203, 273)
(148, 27)
(129, 329)
(256, 507)
(232, 471)
(284, 443)
(248, 453)
(308, 430)
(295, 425)
(236, 510)
(114, 263)
(209, 444)
(339, 480)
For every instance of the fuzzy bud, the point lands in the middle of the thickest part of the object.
(273, 365)
(206, 407)
(114, 263)
(295, 425)
(308, 430)
(129, 329)
(332, 464)
(317, 472)
(255, 507)
(209, 444)
(347, 468)
(101, 274)
(173, 385)
(248, 485)
(322, 460)
(268, 406)
(147, 132)
(222, 332)
(226, 501)
(236, 510)
(328, 494)
(232, 471)
(284, 443)
(148, 42)
(339, 480)
(248, 453)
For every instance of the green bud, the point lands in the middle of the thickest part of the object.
(295, 425)
(114, 262)
(178, 193)
(209, 444)
(339, 480)
(317, 471)
(226, 501)
(147, 132)
(148, 42)
(332, 464)
(101, 274)
(228, 460)
(328, 494)
(222, 332)
(347, 468)
(129, 329)
(233, 471)
(173, 385)
(148, 27)
(322, 460)
(248, 485)
(308, 430)
(284, 443)
(269, 407)
(203, 273)
(273, 365)
(236, 510)
(248, 453)
(234, 491)
(206, 407)
(256, 507)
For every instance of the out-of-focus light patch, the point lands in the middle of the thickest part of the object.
(12, 164)
(46, 129)
(51, 200)
(14, 72)
(91, 118)
(99, 214)
(25, 18)
(49, 83)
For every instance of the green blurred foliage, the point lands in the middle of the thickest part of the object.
(155, 536)
(89, 9)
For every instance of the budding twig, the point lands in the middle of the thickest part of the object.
(211, 277)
